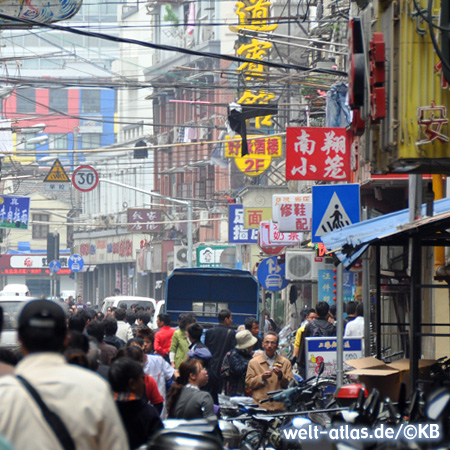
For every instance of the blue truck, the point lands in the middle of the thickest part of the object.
(205, 291)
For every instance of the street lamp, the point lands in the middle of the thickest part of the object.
(186, 203)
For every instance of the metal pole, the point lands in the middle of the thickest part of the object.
(378, 300)
(340, 325)
(366, 295)
(186, 203)
(189, 233)
(415, 340)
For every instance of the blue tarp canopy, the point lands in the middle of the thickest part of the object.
(350, 242)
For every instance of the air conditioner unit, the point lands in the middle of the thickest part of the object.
(301, 266)
(180, 256)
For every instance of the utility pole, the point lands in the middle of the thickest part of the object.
(76, 160)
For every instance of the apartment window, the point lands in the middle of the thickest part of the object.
(40, 230)
(90, 140)
(58, 100)
(187, 190)
(199, 189)
(26, 100)
(209, 188)
(57, 142)
(90, 101)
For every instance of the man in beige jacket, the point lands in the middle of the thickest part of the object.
(268, 372)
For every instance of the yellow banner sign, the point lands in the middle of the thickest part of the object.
(253, 216)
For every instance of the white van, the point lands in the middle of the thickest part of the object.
(15, 289)
(129, 300)
(11, 305)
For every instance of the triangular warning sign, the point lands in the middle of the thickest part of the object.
(334, 218)
(57, 174)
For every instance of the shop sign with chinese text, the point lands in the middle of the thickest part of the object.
(321, 154)
(237, 233)
(271, 237)
(277, 199)
(295, 217)
(260, 154)
(14, 212)
(253, 216)
(144, 220)
(255, 15)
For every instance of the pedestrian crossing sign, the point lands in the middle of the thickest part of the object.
(57, 174)
(334, 207)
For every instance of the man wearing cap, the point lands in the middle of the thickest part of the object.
(239, 358)
(79, 397)
(268, 372)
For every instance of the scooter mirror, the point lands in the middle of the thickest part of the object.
(321, 368)
(437, 403)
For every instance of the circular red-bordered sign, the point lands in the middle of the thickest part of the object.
(85, 178)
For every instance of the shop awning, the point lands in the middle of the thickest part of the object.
(350, 242)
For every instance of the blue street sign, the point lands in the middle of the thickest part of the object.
(237, 234)
(334, 207)
(54, 266)
(271, 275)
(14, 211)
(75, 263)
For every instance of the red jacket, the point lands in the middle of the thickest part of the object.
(163, 339)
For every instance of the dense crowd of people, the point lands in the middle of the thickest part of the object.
(82, 362)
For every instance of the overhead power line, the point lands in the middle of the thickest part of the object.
(171, 48)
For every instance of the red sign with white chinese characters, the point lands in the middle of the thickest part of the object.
(317, 154)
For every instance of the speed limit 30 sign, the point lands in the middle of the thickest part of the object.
(85, 178)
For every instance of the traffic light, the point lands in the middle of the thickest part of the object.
(52, 246)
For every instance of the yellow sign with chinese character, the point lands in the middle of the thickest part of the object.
(260, 153)
(253, 216)
(254, 15)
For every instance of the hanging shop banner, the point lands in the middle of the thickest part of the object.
(260, 153)
(295, 217)
(144, 220)
(271, 237)
(278, 199)
(321, 154)
(326, 291)
(289, 238)
(237, 233)
(320, 349)
(14, 212)
(255, 16)
(253, 216)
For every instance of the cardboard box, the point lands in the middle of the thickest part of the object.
(387, 378)
(374, 373)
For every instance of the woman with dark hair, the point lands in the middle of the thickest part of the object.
(140, 419)
(185, 400)
(180, 344)
(152, 394)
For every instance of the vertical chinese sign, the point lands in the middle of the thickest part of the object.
(317, 154)
(253, 16)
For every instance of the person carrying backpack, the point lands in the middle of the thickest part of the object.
(316, 328)
(235, 363)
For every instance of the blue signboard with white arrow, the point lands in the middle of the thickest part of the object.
(271, 274)
(334, 207)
